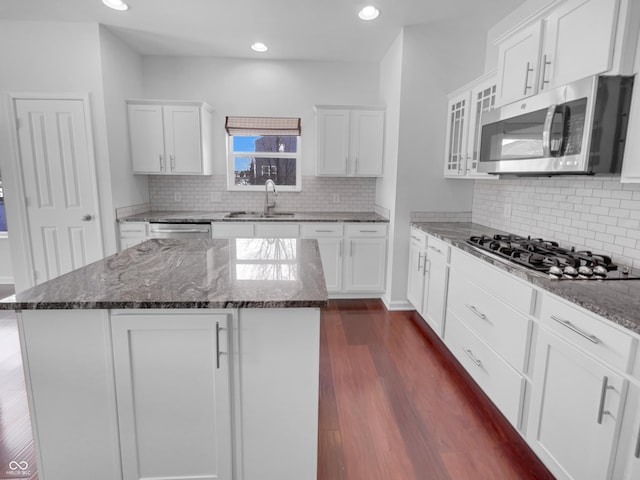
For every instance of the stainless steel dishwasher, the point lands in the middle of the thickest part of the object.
(179, 230)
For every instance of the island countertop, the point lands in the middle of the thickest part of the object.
(617, 301)
(197, 273)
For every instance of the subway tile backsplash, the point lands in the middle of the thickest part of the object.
(204, 193)
(596, 213)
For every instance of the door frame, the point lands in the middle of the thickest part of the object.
(19, 237)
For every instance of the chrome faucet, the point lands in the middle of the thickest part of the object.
(267, 204)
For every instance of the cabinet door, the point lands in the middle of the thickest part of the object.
(575, 410)
(172, 382)
(333, 142)
(366, 142)
(483, 99)
(365, 264)
(416, 279)
(456, 146)
(518, 64)
(146, 137)
(183, 139)
(578, 41)
(435, 291)
(331, 255)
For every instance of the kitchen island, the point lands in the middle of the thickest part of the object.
(178, 359)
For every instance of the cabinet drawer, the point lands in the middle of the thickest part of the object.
(133, 229)
(437, 246)
(277, 230)
(504, 286)
(366, 230)
(230, 230)
(503, 328)
(418, 238)
(503, 384)
(588, 331)
(320, 230)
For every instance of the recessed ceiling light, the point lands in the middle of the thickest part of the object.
(259, 47)
(116, 4)
(369, 13)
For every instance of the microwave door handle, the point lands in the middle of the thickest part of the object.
(552, 111)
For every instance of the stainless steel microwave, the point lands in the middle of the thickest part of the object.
(578, 128)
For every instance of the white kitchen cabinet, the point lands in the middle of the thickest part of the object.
(466, 107)
(631, 163)
(436, 274)
(329, 236)
(366, 257)
(576, 409)
(132, 233)
(350, 141)
(170, 138)
(572, 40)
(417, 261)
(173, 395)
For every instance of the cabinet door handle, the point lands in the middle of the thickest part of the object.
(340, 252)
(472, 357)
(356, 165)
(572, 327)
(351, 248)
(603, 396)
(424, 267)
(526, 78)
(161, 162)
(637, 454)
(543, 82)
(476, 311)
(346, 164)
(218, 352)
(420, 260)
(172, 162)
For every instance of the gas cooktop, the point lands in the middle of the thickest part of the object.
(548, 257)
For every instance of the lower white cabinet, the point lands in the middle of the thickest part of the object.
(366, 257)
(576, 410)
(417, 259)
(329, 236)
(173, 395)
(132, 233)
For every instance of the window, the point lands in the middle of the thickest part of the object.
(261, 149)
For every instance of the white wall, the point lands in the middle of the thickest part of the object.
(47, 58)
(259, 87)
(122, 80)
(6, 270)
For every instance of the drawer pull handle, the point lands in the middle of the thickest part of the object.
(476, 311)
(324, 231)
(472, 357)
(571, 326)
(603, 396)
(368, 231)
(416, 238)
(637, 454)
(436, 249)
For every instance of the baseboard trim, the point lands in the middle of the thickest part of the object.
(6, 280)
(397, 305)
(348, 296)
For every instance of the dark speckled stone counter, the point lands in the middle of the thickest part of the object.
(207, 217)
(618, 301)
(199, 273)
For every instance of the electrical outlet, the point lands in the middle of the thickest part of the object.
(177, 197)
(506, 211)
(335, 198)
(215, 197)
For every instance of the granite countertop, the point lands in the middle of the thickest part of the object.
(615, 300)
(198, 273)
(208, 217)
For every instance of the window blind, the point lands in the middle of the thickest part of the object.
(263, 126)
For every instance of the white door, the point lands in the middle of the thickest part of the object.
(60, 186)
(367, 142)
(182, 138)
(576, 407)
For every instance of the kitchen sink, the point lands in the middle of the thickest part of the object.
(260, 215)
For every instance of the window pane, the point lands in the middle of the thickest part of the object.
(257, 170)
(267, 143)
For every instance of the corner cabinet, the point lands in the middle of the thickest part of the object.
(350, 141)
(567, 41)
(170, 138)
(465, 109)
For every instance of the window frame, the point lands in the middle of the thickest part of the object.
(231, 186)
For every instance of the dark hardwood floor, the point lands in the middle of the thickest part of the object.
(394, 404)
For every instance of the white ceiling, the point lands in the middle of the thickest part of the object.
(293, 29)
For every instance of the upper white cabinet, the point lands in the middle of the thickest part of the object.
(465, 109)
(350, 141)
(571, 40)
(170, 138)
(631, 162)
